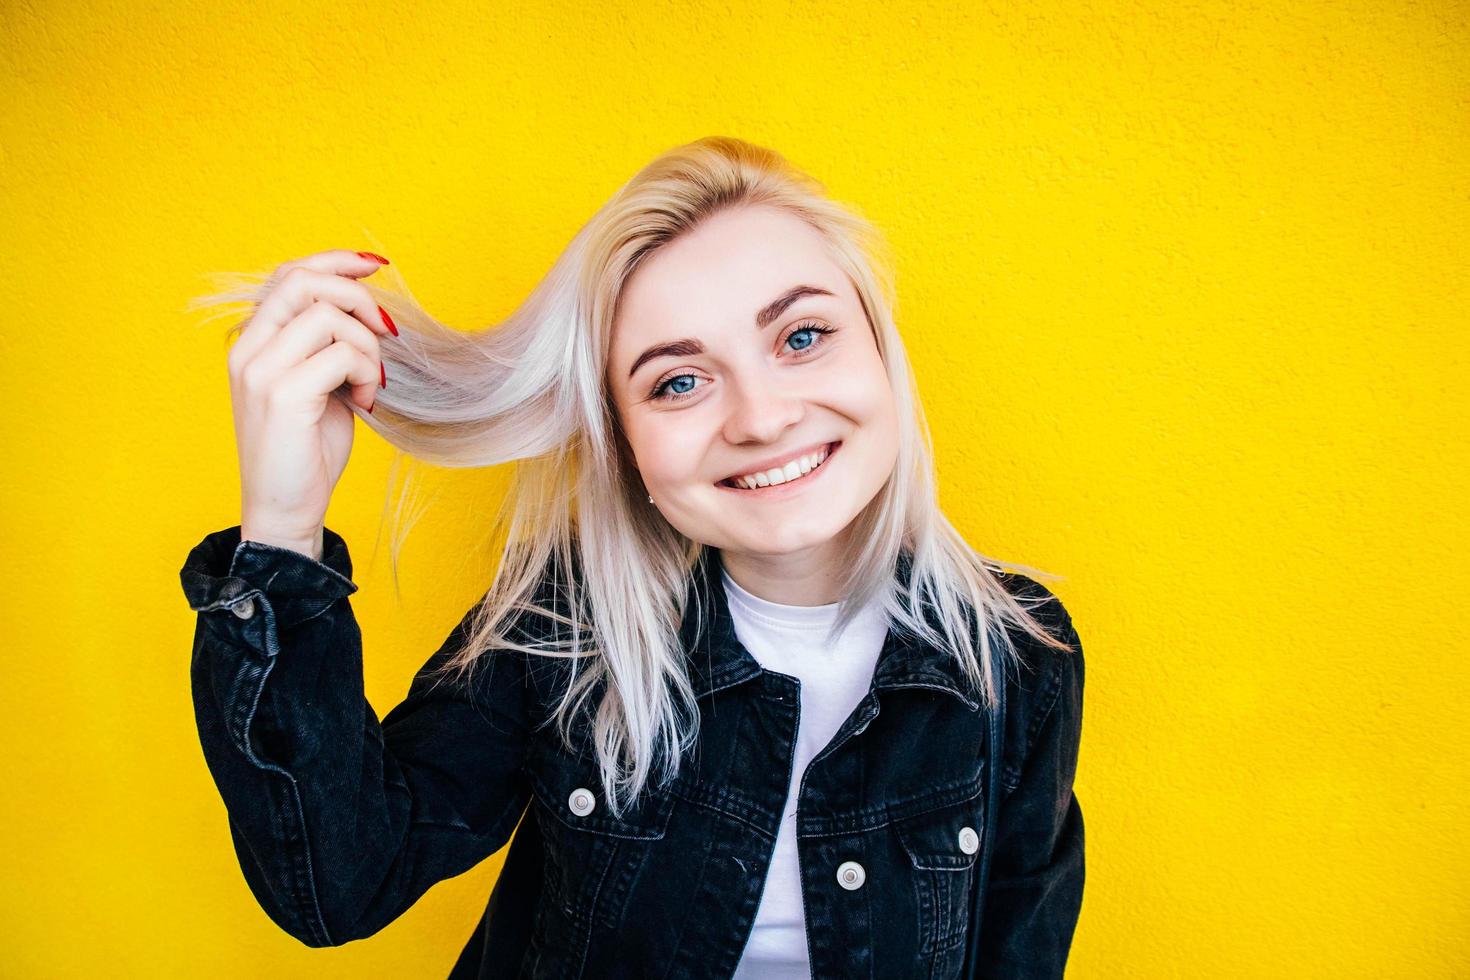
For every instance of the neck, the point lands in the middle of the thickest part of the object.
(809, 577)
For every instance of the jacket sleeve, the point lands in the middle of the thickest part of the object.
(1034, 897)
(340, 822)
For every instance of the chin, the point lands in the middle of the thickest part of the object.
(786, 537)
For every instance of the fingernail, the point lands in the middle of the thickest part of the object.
(374, 256)
(384, 372)
(370, 408)
(388, 320)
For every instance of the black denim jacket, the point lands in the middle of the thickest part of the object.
(341, 823)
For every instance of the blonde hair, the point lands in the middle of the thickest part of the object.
(577, 525)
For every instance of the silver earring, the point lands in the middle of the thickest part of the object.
(650, 498)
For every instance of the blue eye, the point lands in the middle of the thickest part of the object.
(659, 392)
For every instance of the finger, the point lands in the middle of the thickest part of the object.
(297, 291)
(325, 371)
(315, 329)
(338, 262)
(334, 261)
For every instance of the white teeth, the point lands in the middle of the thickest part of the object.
(798, 467)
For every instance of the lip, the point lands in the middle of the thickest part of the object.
(791, 486)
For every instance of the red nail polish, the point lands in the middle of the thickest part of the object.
(383, 371)
(374, 256)
(370, 408)
(388, 320)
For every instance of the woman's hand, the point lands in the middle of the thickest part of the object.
(315, 329)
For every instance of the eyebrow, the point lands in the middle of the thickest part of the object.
(767, 315)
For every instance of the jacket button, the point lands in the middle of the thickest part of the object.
(850, 875)
(582, 801)
(969, 840)
(244, 609)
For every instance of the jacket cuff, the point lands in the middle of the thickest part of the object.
(250, 590)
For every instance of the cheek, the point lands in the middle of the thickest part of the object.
(874, 409)
(666, 447)
(643, 446)
(664, 454)
(867, 390)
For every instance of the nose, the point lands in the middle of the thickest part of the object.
(760, 408)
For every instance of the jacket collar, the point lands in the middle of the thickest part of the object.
(717, 659)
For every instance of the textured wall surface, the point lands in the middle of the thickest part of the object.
(1185, 286)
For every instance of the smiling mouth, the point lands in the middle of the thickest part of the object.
(732, 484)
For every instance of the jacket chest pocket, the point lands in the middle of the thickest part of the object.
(593, 857)
(943, 846)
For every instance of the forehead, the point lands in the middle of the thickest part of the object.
(717, 275)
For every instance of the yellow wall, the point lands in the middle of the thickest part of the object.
(1185, 286)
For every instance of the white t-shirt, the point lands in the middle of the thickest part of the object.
(789, 640)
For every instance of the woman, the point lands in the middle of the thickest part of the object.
(738, 668)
